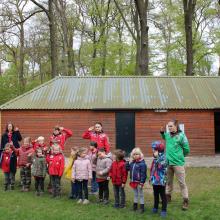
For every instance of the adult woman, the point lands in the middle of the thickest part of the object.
(96, 134)
(12, 135)
(177, 147)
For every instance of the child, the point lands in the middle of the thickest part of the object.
(55, 168)
(82, 172)
(158, 177)
(118, 174)
(24, 154)
(138, 175)
(60, 135)
(92, 153)
(39, 143)
(39, 168)
(68, 173)
(103, 166)
(8, 165)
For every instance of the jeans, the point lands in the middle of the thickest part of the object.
(103, 190)
(160, 191)
(138, 193)
(82, 186)
(9, 179)
(39, 184)
(119, 193)
(74, 190)
(94, 184)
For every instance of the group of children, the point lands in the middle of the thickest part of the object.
(86, 166)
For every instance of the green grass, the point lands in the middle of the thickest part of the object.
(204, 190)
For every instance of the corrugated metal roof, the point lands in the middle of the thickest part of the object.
(122, 93)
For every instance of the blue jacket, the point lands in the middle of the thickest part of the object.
(158, 170)
(138, 171)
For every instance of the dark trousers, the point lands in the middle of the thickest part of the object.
(119, 193)
(82, 186)
(74, 190)
(39, 184)
(56, 185)
(160, 191)
(103, 190)
(9, 179)
(94, 184)
(25, 173)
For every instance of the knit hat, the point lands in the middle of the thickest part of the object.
(158, 145)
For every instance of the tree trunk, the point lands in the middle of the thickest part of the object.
(219, 67)
(143, 59)
(21, 59)
(53, 43)
(189, 9)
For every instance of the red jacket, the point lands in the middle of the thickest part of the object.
(61, 138)
(101, 139)
(118, 172)
(37, 145)
(6, 162)
(24, 154)
(56, 164)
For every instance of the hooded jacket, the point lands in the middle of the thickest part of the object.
(82, 169)
(103, 165)
(118, 172)
(55, 164)
(24, 154)
(39, 166)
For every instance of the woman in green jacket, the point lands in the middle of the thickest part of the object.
(177, 147)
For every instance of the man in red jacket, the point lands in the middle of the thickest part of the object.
(56, 164)
(118, 174)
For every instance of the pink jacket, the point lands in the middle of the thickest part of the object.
(93, 157)
(82, 169)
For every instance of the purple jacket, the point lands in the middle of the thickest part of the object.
(82, 169)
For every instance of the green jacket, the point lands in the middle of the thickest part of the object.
(177, 147)
(39, 167)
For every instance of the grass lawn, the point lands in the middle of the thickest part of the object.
(204, 189)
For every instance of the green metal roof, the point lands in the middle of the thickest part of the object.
(122, 93)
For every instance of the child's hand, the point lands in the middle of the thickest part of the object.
(73, 180)
(91, 128)
(100, 173)
(28, 164)
(108, 178)
(16, 129)
(162, 129)
(61, 128)
(141, 185)
(122, 185)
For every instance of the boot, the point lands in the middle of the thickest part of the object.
(22, 189)
(135, 206)
(12, 187)
(141, 208)
(168, 197)
(6, 187)
(185, 204)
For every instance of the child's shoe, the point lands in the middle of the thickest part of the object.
(135, 206)
(79, 201)
(22, 189)
(12, 187)
(37, 193)
(154, 210)
(105, 202)
(121, 206)
(99, 201)
(141, 208)
(116, 206)
(163, 214)
(185, 204)
(6, 187)
(85, 202)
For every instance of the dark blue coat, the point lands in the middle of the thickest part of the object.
(16, 137)
(138, 171)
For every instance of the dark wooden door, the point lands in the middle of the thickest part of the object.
(125, 131)
(217, 132)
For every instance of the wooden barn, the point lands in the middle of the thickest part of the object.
(131, 109)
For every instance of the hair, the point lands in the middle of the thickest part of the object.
(136, 150)
(102, 150)
(6, 127)
(81, 150)
(27, 139)
(40, 138)
(120, 154)
(99, 123)
(8, 145)
(94, 144)
(176, 123)
(57, 128)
